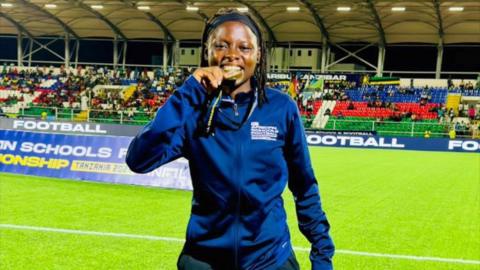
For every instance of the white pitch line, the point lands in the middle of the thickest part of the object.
(171, 239)
(396, 256)
(122, 235)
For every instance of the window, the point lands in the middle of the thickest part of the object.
(183, 51)
(192, 52)
(309, 52)
(291, 52)
(299, 53)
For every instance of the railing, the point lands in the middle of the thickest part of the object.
(382, 128)
(120, 117)
(388, 128)
(99, 116)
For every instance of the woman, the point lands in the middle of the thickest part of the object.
(243, 143)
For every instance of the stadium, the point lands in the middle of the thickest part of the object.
(387, 92)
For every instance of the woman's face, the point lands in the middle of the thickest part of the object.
(233, 45)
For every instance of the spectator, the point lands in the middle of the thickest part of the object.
(449, 82)
(475, 130)
(458, 127)
(327, 112)
(414, 117)
(452, 134)
(310, 107)
(309, 121)
(351, 106)
(441, 114)
(451, 114)
(471, 112)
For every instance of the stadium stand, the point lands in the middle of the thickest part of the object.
(132, 97)
(89, 94)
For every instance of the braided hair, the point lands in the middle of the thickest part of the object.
(260, 74)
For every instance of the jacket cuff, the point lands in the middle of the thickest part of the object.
(322, 266)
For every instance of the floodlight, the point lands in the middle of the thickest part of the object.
(343, 9)
(192, 8)
(455, 8)
(398, 9)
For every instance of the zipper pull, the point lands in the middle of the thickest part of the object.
(235, 109)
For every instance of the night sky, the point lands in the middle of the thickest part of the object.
(414, 57)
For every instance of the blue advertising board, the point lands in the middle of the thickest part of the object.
(102, 158)
(82, 157)
(401, 143)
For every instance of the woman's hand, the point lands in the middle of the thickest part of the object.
(209, 77)
(212, 77)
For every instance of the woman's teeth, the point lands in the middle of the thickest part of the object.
(231, 68)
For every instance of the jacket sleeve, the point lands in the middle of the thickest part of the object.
(162, 140)
(312, 220)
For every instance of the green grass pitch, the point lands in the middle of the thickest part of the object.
(391, 202)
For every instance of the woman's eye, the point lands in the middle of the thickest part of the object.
(220, 46)
(245, 49)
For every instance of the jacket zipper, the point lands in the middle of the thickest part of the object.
(237, 214)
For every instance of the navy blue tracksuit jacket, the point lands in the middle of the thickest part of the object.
(237, 217)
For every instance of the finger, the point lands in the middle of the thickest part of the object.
(198, 74)
(212, 79)
(202, 75)
(204, 83)
(218, 73)
(209, 85)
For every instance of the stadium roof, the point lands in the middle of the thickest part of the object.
(375, 21)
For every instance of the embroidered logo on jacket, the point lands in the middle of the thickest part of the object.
(259, 132)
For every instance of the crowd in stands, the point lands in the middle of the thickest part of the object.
(391, 104)
(65, 89)
(71, 88)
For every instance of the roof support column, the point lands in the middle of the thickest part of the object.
(269, 58)
(165, 56)
(19, 49)
(67, 50)
(329, 58)
(441, 33)
(124, 56)
(77, 49)
(175, 54)
(171, 51)
(115, 53)
(438, 69)
(289, 57)
(323, 67)
(30, 48)
(380, 60)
